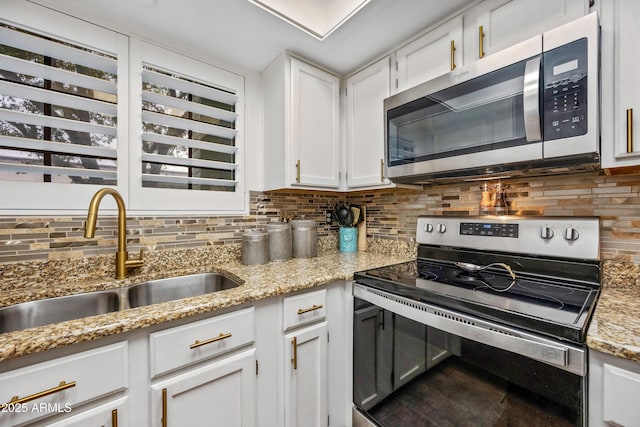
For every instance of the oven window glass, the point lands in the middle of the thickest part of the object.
(485, 113)
(406, 373)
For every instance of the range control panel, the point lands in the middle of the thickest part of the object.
(489, 229)
(562, 237)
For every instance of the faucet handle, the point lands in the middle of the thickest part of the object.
(141, 253)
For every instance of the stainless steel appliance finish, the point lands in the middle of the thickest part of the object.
(174, 288)
(305, 238)
(53, 310)
(487, 326)
(533, 106)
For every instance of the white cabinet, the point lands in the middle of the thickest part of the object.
(614, 387)
(184, 345)
(62, 385)
(303, 348)
(305, 372)
(366, 92)
(301, 126)
(220, 393)
(503, 23)
(435, 53)
(305, 377)
(620, 88)
(223, 390)
(111, 414)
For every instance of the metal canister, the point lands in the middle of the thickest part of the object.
(280, 248)
(304, 237)
(255, 248)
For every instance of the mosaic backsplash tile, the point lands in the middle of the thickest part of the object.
(392, 214)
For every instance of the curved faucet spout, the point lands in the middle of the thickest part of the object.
(123, 263)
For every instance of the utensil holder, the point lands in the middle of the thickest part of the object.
(348, 239)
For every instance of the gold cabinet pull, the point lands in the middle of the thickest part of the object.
(15, 400)
(298, 171)
(453, 49)
(220, 337)
(481, 42)
(306, 310)
(630, 130)
(381, 170)
(294, 347)
(114, 418)
(163, 421)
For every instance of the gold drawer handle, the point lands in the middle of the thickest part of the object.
(294, 346)
(298, 172)
(453, 49)
(15, 400)
(630, 130)
(381, 170)
(481, 42)
(114, 418)
(163, 420)
(220, 337)
(306, 310)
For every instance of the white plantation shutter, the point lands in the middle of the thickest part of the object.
(58, 111)
(190, 152)
(189, 132)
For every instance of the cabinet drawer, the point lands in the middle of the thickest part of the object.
(304, 308)
(184, 345)
(62, 384)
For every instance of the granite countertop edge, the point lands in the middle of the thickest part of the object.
(257, 282)
(615, 325)
(614, 328)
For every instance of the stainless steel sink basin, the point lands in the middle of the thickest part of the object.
(174, 288)
(53, 310)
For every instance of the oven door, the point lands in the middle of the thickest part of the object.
(409, 372)
(469, 118)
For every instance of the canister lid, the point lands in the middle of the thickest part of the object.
(303, 223)
(278, 226)
(254, 236)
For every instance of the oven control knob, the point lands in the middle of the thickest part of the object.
(441, 228)
(428, 228)
(546, 232)
(570, 234)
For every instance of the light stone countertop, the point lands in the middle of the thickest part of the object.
(615, 326)
(614, 329)
(258, 282)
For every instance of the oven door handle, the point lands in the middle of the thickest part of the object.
(543, 352)
(468, 327)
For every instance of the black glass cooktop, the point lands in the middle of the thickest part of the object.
(549, 306)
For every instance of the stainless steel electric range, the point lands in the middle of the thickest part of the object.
(487, 327)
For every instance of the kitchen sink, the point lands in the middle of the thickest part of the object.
(53, 310)
(174, 288)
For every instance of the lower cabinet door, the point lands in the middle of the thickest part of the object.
(218, 394)
(111, 414)
(305, 382)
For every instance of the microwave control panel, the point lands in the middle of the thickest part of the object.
(565, 91)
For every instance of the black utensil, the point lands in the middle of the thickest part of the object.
(343, 215)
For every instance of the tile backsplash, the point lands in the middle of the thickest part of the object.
(391, 213)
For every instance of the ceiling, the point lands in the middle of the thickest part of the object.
(243, 34)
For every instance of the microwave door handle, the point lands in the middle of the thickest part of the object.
(531, 100)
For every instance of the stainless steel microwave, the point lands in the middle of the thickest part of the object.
(531, 107)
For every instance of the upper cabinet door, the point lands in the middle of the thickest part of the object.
(620, 86)
(436, 53)
(366, 92)
(315, 116)
(503, 23)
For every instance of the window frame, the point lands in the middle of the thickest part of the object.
(145, 198)
(40, 198)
